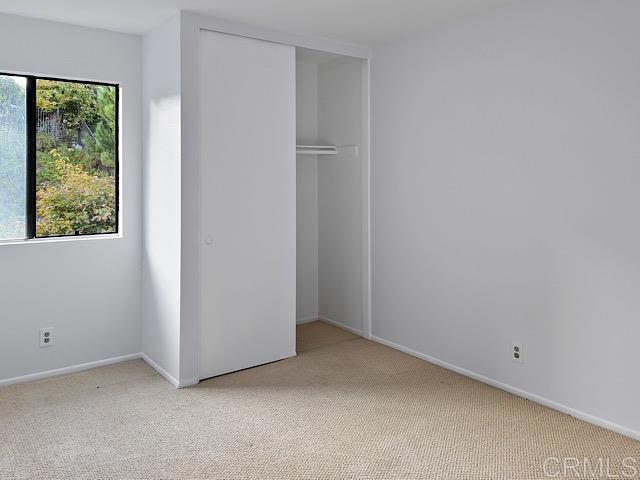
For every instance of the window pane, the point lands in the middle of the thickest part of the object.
(75, 158)
(13, 157)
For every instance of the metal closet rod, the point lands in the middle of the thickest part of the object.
(316, 149)
(323, 149)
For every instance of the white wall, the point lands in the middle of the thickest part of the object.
(161, 203)
(340, 210)
(505, 197)
(87, 289)
(307, 192)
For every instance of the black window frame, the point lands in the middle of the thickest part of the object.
(31, 128)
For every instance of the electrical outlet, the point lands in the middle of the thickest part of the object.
(46, 337)
(517, 352)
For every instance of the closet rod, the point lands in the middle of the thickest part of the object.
(352, 150)
(316, 149)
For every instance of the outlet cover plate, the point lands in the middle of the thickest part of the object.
(517, 352)
(46, 337)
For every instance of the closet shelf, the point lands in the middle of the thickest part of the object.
(316, 150)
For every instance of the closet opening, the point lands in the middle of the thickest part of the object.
(331, 197)
(283, 264)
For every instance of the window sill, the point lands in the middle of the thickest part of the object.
(74, 238)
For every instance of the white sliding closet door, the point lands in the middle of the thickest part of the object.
(248, 195)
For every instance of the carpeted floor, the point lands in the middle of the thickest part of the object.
(344, 408)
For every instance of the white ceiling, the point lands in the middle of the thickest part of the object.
(365, 22)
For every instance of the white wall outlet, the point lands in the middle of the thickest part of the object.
(517, 352)
(46, 337)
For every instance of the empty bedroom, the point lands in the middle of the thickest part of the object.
(319, 239)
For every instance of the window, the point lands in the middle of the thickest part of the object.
(58, 157)
(13, 157)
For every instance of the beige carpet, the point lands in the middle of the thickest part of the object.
(345, 408)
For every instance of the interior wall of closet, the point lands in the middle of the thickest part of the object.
(329, 182)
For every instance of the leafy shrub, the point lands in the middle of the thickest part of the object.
(77, 203)
(48, 172)
(44, 143)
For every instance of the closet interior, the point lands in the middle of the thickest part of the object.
(331, 182)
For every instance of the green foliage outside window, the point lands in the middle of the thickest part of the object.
(75, 158)
(105, 140)
(76, 101)
(75, 201)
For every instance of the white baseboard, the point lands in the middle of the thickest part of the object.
(167, 376)
(66, 370)
(188, 382)
(153, 364)
(98, 363)
(355, 331)
(300, 321)
(600, 422)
